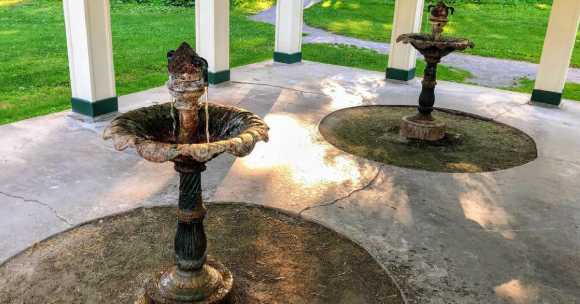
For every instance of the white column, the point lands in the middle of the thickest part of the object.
(212, 37)
(403, 57)
(557, 52)
(90, 55)
(289, 19)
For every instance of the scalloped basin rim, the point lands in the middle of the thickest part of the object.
(426, 40)
(149, 131)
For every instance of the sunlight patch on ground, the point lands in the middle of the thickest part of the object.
(6, 33)
(10, 2)
(5, 106)
(293, 149)
(332, 3)
(255, 6)
(353, 25)
(481, 205)
(516, 292)
(351, 95)
(478, 209)
(342, 97)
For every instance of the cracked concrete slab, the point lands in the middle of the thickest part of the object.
(511, 236)
(23, 223)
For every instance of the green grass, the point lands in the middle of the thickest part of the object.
(525, 85)
(513, 31)
(251, 7)
(34, 69)
(370, 60)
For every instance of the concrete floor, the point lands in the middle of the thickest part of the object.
(511, 236)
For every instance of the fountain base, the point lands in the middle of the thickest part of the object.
(417, 127)
(209, 285)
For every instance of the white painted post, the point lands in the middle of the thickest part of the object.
(557, 52)
(212, 37)
(289, 19)
(403, 57)
(90, 55)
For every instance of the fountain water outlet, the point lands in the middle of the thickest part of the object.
(180, 132)
(423, 126)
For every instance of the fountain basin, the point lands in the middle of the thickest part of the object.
(430, 47)
(150, 131)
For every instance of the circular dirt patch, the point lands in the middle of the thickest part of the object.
(275, 258)
(472, 144)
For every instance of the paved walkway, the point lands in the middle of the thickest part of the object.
(486, 71)
(511, 236)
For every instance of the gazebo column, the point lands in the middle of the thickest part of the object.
(90, 55)
(403, 57)
(289, 19)
(557, 52)
(212, 37)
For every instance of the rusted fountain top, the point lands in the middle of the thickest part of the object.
(187, 81)
(435, 46)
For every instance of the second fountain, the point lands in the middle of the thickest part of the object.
(433, 46)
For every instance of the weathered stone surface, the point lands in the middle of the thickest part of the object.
(150, 132)
(431, 130)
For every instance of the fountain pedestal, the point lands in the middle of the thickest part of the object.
(424, 126)
(194, 278)
(416, 127)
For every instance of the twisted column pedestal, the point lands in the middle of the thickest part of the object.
(423, 126)
(195, 278)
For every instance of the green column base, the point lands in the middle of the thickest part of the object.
(400, 75)
(218, 77)
(287, 58)
(94, 109)
(547, 97)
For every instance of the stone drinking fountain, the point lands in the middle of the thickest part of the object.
(189, 133)
(423, 126)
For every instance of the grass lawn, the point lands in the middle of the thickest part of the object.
(505, 31)
(571, 90)
(34, 66)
